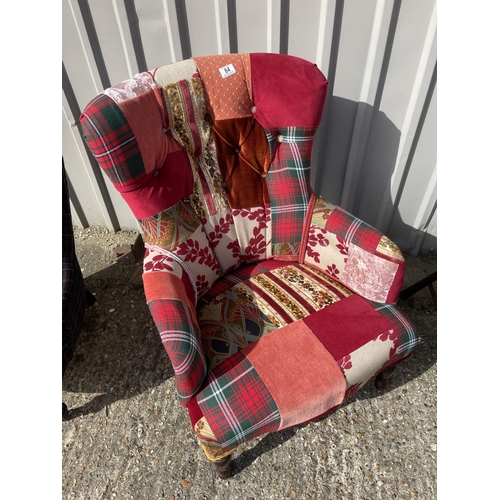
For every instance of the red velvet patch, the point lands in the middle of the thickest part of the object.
(346, 325)
(397, 284)
(194, 411)
(164, 187)
(287, 91)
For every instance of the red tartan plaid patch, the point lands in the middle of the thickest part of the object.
(237, 403)
(112, 142)
(288, 181)
(180, 335)
(353, 230)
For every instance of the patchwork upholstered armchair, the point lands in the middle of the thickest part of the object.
(273, 305)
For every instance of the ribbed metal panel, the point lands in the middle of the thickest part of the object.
(375, 153)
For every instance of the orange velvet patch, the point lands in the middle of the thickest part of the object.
(301, 375)
(243, 157)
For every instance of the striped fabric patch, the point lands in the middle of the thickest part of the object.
(241, 274)
(112, 142)
(292, 292)
(186, 108)
(237, 404)
(288, 182)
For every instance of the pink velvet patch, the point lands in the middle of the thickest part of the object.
(163, 188)
(287, 91)
(346, 325)
(301, 375)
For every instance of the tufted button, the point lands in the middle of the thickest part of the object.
(207, 118)
(155, 173)
(223, 184)
(279, 138)
(263, 175)
(253, 109)
(237, 149)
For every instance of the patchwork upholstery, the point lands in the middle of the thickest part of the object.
(273, 305)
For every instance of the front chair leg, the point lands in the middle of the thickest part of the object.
(223, 467)
(382, 379)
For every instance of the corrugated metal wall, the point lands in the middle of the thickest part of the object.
(375, 152)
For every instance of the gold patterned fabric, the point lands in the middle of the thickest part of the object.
(171, 227)
(186, 108)
(209, 442)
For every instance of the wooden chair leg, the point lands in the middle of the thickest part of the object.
(223, 467)
(89, 298)
(382, 379)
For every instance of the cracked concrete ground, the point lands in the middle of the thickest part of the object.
(127, 437)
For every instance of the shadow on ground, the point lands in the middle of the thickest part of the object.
(119, 353)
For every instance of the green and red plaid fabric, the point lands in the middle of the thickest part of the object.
(288, 181)
(237, 404)
(353, 230)
(406, 337)
(181, 336)
(112, 142)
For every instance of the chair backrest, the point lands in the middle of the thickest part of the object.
(213, 156)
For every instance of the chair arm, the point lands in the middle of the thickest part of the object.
(354, 253)
(170, 298)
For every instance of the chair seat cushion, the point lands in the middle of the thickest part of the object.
(251, 308)
(287, 344)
